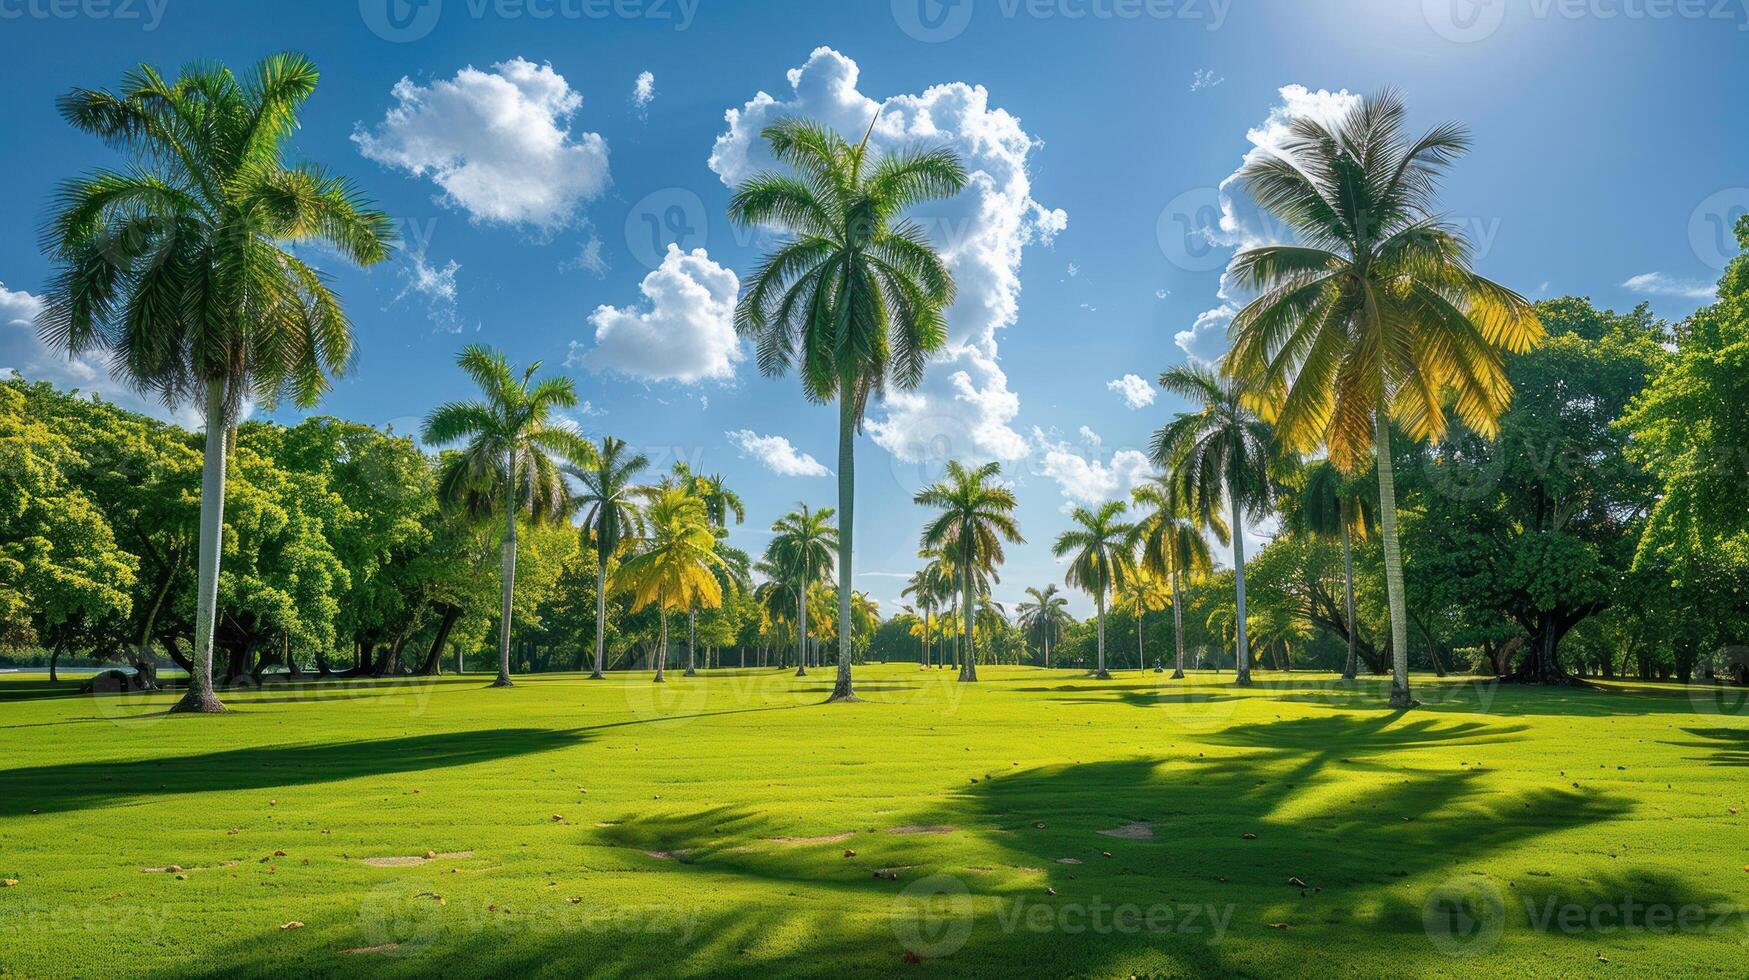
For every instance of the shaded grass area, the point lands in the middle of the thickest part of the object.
(1037, 823)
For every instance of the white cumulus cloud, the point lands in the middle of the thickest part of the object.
(963, 408)
(1083, 476)
(1135, 391)
(776, 454)
(1242, 224)
(498, 143)
(684, 330)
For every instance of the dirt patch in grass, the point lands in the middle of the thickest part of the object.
(822, 839)
(1140, 830)
(918, 829)
(412, 860)
(381, 948)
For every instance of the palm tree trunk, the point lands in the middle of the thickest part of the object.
(1393, 566)
(1242, 656)
(509, 572)
(1177, 628)
(200, 697)
(1099, 605)
(1141, 655)
(600, 619)
(1047, 644)
(662, 639)
(802, 630)
(691, 643)
(1348, 668)
(842, 688)
(968, 660)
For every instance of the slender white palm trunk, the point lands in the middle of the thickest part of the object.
(509, 571)
(842, 688)
(1348, 668)
(1242, 656)
(200, 697)
(1099, 605)
(691, 643)
(600, 619)
(1177, 627)
(662, 642)
(968, 661)
(1393, 566)
(802, 630)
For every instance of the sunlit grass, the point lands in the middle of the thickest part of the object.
(704, 826)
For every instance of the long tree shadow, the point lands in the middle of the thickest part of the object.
(77, 786)
(1729, 746)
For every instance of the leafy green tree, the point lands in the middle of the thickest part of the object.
(1045, 612)
(176, 265)
(1221, 450)
(1330, 506)
(512, 458)
(977, 516)
(1374, 316)
(611, 520)
(1143, 591)
(855, 298)
(1099, 551)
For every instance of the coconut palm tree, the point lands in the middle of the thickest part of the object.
(675, 569)
(510, 463)
(720, 504)
(776, 597)
(176, 266)
(1332, 509)
(1374, 317)
(977, 516)
(801, 549)
(1220, 452)
(855, 297)
(1044, 612)
(1172, 546)
(1099, 551)
(611, 520)
(1142, 591)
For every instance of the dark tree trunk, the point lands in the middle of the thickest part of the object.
(433, 663)
(175, 652)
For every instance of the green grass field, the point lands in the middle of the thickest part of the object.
(734, 825)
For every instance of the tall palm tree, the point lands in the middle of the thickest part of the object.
(776, 597)
(917, 587)
(977, 516)
(1098, 548)
(1142, 591)
(720, 503)
(611, 520)
(801, 549)
(855, 297)
(1044, 612)
(176, 266)
(1375, 316)
(1331, 509)
(675, 568)
(1221, 451)
(1172, 546)
(510, 463)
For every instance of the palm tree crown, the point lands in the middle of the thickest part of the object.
(977, 516)
(676, 568)
(611, 519)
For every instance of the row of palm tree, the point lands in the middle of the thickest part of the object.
(1372, 320)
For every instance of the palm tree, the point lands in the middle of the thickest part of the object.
(976, 517)
(1100, 548)
(1221, 451)
(512, 457)
(611, 520)
(776, 598)
(675, 569)
(176, 266)
(720, 503)
(853, 300)
(1172, 546)
(1375, 317)
(1142, 591)
(801, 549)
(1330, 508)
(1044, 612)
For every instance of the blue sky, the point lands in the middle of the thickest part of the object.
(538, 185)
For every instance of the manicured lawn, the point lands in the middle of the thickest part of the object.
(618, 829)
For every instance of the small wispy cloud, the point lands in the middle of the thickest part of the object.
(1074, 270)
(1659, 284)
(435, 286)
(1204, 78)
(776, 454)
(644, 91)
